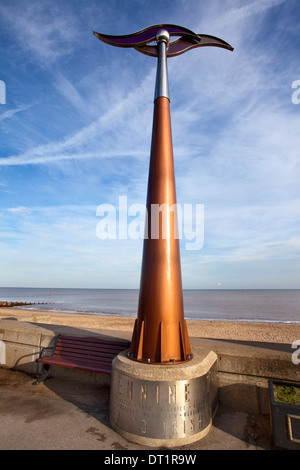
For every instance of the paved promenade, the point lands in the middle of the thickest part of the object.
(60, 414)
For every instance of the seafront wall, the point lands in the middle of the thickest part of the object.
(243, 367)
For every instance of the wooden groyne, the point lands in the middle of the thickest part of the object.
(6, 304)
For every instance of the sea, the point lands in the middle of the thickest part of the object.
(249, 305)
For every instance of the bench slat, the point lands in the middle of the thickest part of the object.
(79, 354)
(74, 349)
(91, 340)
(74, 358)
(86, 349)
(58, 360)
(102, 368)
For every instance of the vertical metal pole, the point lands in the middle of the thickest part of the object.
(161, 85)
(160, 332)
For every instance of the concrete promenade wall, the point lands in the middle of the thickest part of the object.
(243, 368)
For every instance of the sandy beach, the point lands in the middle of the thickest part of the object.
(242, 331)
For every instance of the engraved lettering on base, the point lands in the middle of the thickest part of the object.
(161, 410)
(143, 392)
(172, 393)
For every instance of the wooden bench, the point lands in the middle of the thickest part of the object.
(88, 353)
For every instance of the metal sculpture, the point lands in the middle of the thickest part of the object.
(160, 333)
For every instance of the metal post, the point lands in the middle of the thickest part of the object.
(162, 86)
(160, 333)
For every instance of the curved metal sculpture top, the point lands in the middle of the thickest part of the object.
(141, 40)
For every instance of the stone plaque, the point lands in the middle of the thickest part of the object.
(161, 409)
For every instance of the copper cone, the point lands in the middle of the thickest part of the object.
(160, 332)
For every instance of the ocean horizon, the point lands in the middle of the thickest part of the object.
(256, 305)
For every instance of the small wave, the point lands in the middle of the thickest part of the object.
(242, 320)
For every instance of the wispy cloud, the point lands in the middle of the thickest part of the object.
(41, 29)
(11, 112)
(252, 9)
(19, 210)
(87, 137)
(95, 140)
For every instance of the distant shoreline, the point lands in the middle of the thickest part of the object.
(127, 315)
(48, 289)
(226, 330)
(261, 306)
(34, 308)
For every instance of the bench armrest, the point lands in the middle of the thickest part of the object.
(48, 347)
(42, 352)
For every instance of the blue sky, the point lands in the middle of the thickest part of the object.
(75, 133)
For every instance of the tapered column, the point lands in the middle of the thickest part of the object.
(160, 333)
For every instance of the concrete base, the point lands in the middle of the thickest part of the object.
(163, 405)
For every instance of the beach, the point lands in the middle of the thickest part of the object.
(226, 330)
